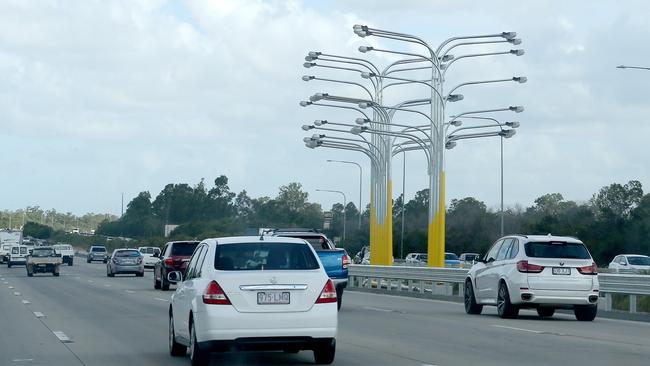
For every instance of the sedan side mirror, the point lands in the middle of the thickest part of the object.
(623, 264)
(175, 277)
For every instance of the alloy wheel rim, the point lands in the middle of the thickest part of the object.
(192, 343)
(171, 332)
(501, 299)
(468, 300)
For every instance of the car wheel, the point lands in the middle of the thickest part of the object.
(175, 349)
(156, 283)
(55, 273)
(504, 307)
(198, 357)
(165, 284)
(88, 260)
(324, 352)
(471, 307)
(70, 262)
(545, 312)
(8, 264)
(30, 273)
(585, 313)
(339, 298)
(141, 274)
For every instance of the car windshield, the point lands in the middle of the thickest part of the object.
(471, 257)
(639, 261)
(42, 252)
(183, 249)
(556, 250)
(98, 249)
(258, 256)
(451, 257)
(127, 253)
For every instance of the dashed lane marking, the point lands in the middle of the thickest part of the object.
(38, 314)
(22, 360)
(377, 309)
(26, 302)
(11, 287)
(129, 291)
(517, 329)
(61, 336)
(159, 299)
(16, 293)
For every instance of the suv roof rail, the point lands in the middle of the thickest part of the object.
(524, 235)
(296, 230)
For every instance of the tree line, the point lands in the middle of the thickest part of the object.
(615, 220)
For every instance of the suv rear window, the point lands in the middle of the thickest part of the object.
(639, 261)
(183, 249)
(556, 250)
(98, 249)
(127, 253)
(318, 242)
(260, 257)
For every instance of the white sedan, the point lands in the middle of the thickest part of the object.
(630, 263)
(253, 293)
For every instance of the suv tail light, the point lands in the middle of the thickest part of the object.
(214, 295)
(328, 294)
(168, 262)
(589, 270)
(345, 261)
(525, 267)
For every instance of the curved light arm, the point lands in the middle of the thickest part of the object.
(313, 64)
(472, 136)
(513, 52)
(338, 106)
(516, 109)
(517, 79)
(404, 110)
(506, 35)
(415, 139)
(632, 67)
(514, 41)
(351, 147)
(476, 127)
(405, 149)
(347, 62)
(308, 77)
(365, 141)
(407, 127)
(364, 31)
(316, 55)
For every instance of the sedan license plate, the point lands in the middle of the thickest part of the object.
(561, 271)
(273, 298)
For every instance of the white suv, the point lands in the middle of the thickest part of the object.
(253, 293)
(534, 271)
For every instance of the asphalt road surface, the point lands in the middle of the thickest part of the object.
(86, 318)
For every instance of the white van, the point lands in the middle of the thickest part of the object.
(150, 256)
(66, 251)
(17, 255)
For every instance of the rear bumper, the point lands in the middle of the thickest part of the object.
(17, 260)
(554, 297)
(121, 268)
(265, 344)
(43, 268)
(224, 323)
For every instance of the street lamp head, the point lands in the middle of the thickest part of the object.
(304, 103)
(317, 136)
(320, 122)
(310, 58)
(509, 35)
(517, 109)
(308, 77)
(314, 54)
(318, 96)
(456, 123)
(365, 105)
(450, 145)
(517, 52)
(621, 67)
(515, 41)
(513, 124)
(307, 127)
(455, 97)
(507, 133)
(360, 30)
(367, 75)
(309, 64)
(361, 121)
(364, 49)
(520, 79)
(446, 58)
(443, 66)
(312, 144)
(357, 130)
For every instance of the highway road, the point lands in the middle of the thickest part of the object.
(86, 318)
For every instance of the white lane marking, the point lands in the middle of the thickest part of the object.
(517, 329)
(11, 287)
(377, 309)
(159, 299)
(6, 283)
(107, 285)
(61, 336)
(16, 293)
(26, 302)
(38, 314)
(90, 281)
(22, 360)
(129, 291)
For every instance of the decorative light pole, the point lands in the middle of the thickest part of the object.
(345, 204)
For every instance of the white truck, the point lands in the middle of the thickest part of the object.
(9, 237)
(66, 251)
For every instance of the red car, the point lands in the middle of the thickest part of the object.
(175, 256)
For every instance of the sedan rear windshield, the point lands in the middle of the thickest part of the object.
(556, 250)
(127, 253)
(639, 261)
(42, 252)
(451, 257)
(183, 249)
(98, 249)
(260, 257)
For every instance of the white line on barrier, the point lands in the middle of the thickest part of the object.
(61, 336)
(517, 329)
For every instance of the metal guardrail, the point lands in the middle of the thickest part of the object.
(449, 282)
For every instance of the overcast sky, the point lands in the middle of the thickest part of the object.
(103, 97)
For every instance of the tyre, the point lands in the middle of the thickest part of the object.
(545, 312)
(339, 298)
(165, 284)
(30, 273)
(504, 307)
(471, 307)
(140, 274)
(324, 353)
(8, 264)
(585, 313)
(198, 357)
(88, 260)
(156, 283)
(175, 349)
(70, 261)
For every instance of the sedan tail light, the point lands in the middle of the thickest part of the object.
(525, 267)
(345, 261)
(589, 270)
(215, 295)
(168, 262)
(328, 294)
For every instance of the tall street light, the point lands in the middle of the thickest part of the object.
(632, 67)
(360, 181)
(345, 203)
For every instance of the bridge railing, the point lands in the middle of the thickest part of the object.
(449, 282)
